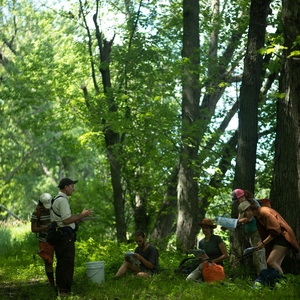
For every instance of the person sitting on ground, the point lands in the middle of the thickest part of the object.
(259, 257)
(213, 246)
(146, 258)
(276, 235)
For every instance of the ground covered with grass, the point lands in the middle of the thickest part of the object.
(22, 275)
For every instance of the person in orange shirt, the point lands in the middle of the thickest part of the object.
(276, 235)
(250, 226)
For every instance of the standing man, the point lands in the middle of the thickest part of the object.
(145, 260)
(65, 249)
(40, 220)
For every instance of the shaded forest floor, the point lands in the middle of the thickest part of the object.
(22, 275)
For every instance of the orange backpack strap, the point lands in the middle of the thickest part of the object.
(265, 202)
(38, 214)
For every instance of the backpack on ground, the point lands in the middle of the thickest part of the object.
(268, 277)
(212, 272)
(187, 265)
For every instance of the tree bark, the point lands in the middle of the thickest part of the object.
(187, 183)
(249, 97)
(112, 138)
(165, 221)
(285, 192)
(248, 115)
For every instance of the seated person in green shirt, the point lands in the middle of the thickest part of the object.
(213, 246)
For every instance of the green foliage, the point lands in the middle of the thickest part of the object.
(50, 129)
(23, 276)
(12, 236)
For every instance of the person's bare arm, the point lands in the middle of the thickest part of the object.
(78, 217)
(144, 261)
(224, 255)
(244, 220)
(37, 229)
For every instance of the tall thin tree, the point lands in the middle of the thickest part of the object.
(187, 183)
(248, 112)
(285, 192)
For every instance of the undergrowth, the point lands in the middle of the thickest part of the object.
(22, 275)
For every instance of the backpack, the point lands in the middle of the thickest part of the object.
(38, 215)
(54, 234)
(53, 199)
(212, 272)
(265, 202)
(187, 265)
(268, 277)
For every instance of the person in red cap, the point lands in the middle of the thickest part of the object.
(276, 235)
(213, 246)
(259, 257)
(65, 249)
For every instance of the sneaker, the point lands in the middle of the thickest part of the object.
(257, 285)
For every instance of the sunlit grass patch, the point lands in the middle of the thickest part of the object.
(22, 275)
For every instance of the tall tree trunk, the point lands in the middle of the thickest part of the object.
(248, 114)
(112, 138)
(140, 215)
(249, 97)
(113, 141)
(165, 221)
(285, 192)
(187, 183)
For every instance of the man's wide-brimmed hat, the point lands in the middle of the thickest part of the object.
(207, 222)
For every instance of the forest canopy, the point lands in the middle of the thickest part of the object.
(147, 104)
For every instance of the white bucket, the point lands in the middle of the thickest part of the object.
(227, 222)
(95, 271)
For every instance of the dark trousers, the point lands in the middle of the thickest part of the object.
(65, 256)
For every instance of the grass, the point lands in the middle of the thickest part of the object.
(22, 275)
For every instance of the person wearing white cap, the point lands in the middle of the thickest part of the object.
(40, 220)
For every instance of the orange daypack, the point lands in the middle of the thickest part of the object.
(212, 272)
